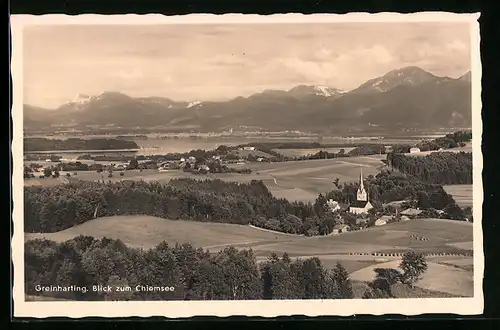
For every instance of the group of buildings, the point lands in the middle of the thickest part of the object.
(361, 206)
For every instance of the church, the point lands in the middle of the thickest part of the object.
(361, 204)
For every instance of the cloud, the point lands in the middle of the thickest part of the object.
(457, 45)
(129, 74)
(224, 61)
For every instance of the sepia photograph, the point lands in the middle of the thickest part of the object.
(246, 165)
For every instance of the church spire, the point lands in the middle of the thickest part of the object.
(361, 184)
(361, 194)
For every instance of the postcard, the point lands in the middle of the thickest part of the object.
(224, 165)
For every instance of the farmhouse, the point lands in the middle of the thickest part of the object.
(204, 168)
(337, 229)
(405, 218)
(414, 150)
(383, 220)
(362, 204)
(332, 205)
(411, 212)
(120, 167)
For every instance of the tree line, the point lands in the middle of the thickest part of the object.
(43, 144)
(189, 273)
(449, 141)
(439, 167)
(55, 208)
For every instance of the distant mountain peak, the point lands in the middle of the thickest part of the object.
(410, 75)
(319, 90)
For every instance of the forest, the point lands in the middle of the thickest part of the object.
(189, 273)
(444, 168)
(55, 208)
(43, 144)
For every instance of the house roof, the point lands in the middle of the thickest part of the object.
(360, 204)
(411, 212)
(385, 218)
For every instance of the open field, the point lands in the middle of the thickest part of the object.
(255, 153)
(438, 277)
(304, 151)
(45, 182)
(462, 193)
(146, 232)
(295, 180)
(445, 236)
(447, 274)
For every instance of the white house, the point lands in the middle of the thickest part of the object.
(383, 220)
(249, 148)
(332, 205)
(361, 204)
(411, 212)
(337, 229)
(414, 150)
(204, 168)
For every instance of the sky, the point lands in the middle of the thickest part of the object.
(218, 62)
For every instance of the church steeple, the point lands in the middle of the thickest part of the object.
(361, 194)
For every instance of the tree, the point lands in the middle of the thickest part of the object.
(342, 282)
(413, 266)
(120, 290)
(134, 164)
(391, 275)
(47, 172)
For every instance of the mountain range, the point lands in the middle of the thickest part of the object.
(407, 97)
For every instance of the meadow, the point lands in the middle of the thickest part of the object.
(294, 180)
(438, 277)
(462, 193)
(445, 236)
(305, 152)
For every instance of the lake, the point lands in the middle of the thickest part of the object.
(157, 146)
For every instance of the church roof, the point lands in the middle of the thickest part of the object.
(360, 204)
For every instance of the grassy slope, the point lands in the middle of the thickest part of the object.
(450, 276)
(438, 277)
(146, 231)
(462, 193)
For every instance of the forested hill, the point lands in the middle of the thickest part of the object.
(438, 167)
(43, 144)
(55, 208)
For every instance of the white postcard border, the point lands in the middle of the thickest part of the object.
(264, 308)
